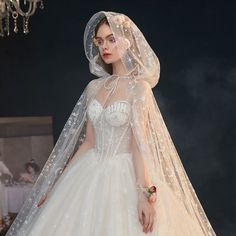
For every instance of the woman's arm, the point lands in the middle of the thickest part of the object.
(141, 152)
(26, 178)
(139, 167)
(146, 211)
(85, 146)
(88, 142)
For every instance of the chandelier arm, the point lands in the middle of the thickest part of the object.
(15, 9)
(31, 10)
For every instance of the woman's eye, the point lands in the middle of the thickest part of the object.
(99, 42)
(112, 40)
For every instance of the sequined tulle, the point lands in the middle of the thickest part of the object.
(97, 194)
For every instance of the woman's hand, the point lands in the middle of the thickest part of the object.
(146, 213)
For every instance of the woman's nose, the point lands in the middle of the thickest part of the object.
(104, 45)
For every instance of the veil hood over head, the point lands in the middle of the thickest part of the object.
(156, 160)
(139, 59)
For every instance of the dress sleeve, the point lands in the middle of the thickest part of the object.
(140, 144)
(156, 162)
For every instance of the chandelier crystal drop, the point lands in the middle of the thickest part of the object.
(15, 8)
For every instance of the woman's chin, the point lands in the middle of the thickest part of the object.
(108, 61)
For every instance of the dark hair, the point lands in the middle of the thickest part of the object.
(33, 165)
(107, 67)
(103, 21)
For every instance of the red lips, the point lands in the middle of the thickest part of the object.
(106, 54)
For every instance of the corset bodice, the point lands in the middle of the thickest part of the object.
(111, 127)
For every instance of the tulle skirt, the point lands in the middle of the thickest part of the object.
(99, 198)
(91, 198)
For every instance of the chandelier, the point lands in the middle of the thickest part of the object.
(14, 9)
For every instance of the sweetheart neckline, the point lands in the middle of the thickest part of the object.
(105, 108)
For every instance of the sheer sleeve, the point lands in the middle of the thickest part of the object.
(140, 143)
(71, 137)
(156, 162)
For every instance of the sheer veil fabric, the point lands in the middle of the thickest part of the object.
(179, 211)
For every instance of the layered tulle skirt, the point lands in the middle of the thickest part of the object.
(92, 198)
(98, 197)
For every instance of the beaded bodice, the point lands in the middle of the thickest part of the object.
(111, 126)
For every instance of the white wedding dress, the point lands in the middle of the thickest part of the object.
(97, 195)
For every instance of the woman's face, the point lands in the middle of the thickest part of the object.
(30, 169)
(110, 48)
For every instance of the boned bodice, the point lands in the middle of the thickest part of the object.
(111, 126)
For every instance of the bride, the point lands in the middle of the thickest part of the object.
(114, 170)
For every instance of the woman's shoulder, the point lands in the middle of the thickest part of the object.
(93, 86)
(94, 82)
(141, 87)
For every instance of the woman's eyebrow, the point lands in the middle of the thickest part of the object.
(97, 37)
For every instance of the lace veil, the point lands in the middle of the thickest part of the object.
(157, 162)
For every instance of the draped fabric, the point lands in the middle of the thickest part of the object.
(154, 156)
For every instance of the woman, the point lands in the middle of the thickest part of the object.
(30, 176)
(114, 151)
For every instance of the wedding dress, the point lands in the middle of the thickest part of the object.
(96, 194)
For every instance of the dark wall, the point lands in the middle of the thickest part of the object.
(45, 72)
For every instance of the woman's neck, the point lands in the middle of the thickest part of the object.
(118, 68)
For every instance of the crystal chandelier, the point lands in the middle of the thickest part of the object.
(16, 8)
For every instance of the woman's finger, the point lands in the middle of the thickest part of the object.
(140, 216)
(151, 228)
(150, 223)
(147, 220)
